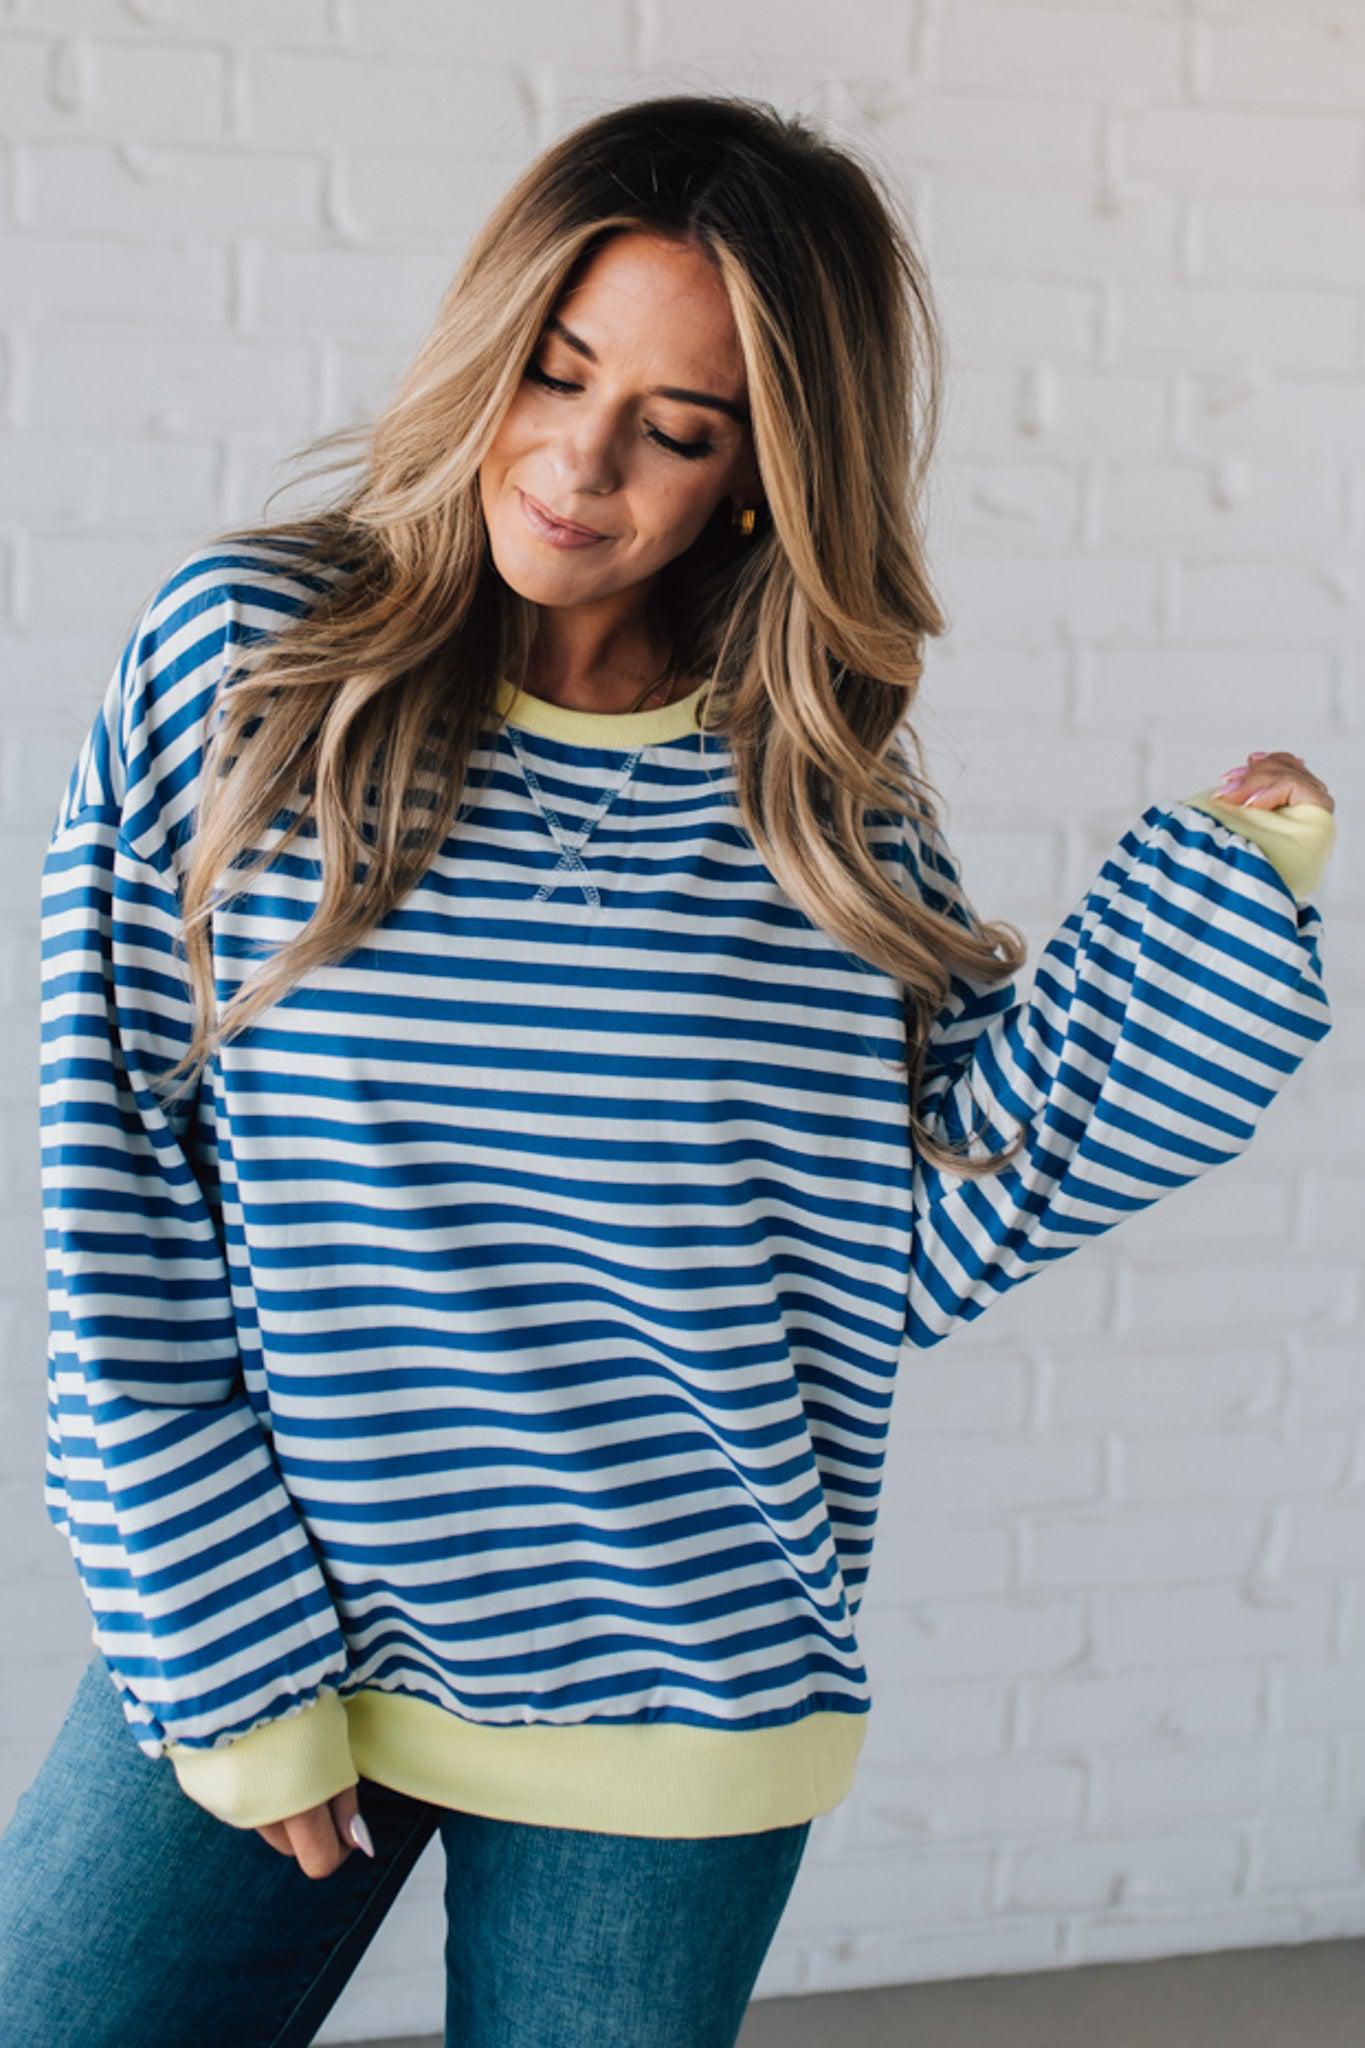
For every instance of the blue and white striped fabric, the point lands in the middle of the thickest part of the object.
(512, 1321)
(1165, 1016)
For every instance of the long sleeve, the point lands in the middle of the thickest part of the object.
(1172, 1006)
(208, 1603)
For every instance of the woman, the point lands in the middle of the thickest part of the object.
(478, 1272)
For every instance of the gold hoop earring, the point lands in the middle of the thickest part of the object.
(744, 518)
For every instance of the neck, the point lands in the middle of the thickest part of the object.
(625, 668)
(617, 693)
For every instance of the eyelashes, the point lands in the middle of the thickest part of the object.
(690, 451)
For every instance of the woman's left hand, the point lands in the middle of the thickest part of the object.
(1269, 780)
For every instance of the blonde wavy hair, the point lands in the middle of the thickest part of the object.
(362, 714)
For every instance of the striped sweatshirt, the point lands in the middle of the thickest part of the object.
(481, 1383)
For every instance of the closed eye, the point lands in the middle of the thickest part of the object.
(691, 451)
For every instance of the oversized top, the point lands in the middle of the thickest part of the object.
(482, 1383)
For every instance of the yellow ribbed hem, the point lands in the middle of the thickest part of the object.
(1297, 839)
(278, 1769)
(612, 1777)
(530, 713)
(657, 1778)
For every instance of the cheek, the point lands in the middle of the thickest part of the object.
(512, 440)
(504, 460)
(673, 509)
(693, 512)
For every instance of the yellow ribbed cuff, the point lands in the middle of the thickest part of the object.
(273, 1771)
(1297, 839)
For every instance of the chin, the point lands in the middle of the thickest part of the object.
(539, 582)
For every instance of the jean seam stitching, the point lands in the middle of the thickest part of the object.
(336, 1945)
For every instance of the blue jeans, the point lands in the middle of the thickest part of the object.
(131, 1918)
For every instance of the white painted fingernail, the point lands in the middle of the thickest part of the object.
(360, 1834)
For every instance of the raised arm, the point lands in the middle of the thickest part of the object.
(1168, 1011)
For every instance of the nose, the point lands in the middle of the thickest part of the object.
(586, 457)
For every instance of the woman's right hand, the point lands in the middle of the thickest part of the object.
(319, 1838)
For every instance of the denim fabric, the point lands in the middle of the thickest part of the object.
(131, 1918)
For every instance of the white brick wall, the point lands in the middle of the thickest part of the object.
(1116, 1626)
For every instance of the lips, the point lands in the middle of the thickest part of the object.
(569, 527)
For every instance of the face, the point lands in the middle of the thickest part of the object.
(604, 440)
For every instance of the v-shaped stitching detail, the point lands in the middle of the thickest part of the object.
(569, 852)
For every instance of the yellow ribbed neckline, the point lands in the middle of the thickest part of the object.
(530, 713)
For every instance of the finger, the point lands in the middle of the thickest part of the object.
(317, 1847)
(346, 1814)
(1270, 795)
(1250, 787)
(274, 1834)
(1268, 783)
(1298, 793)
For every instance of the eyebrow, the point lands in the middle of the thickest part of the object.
(718, 404)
